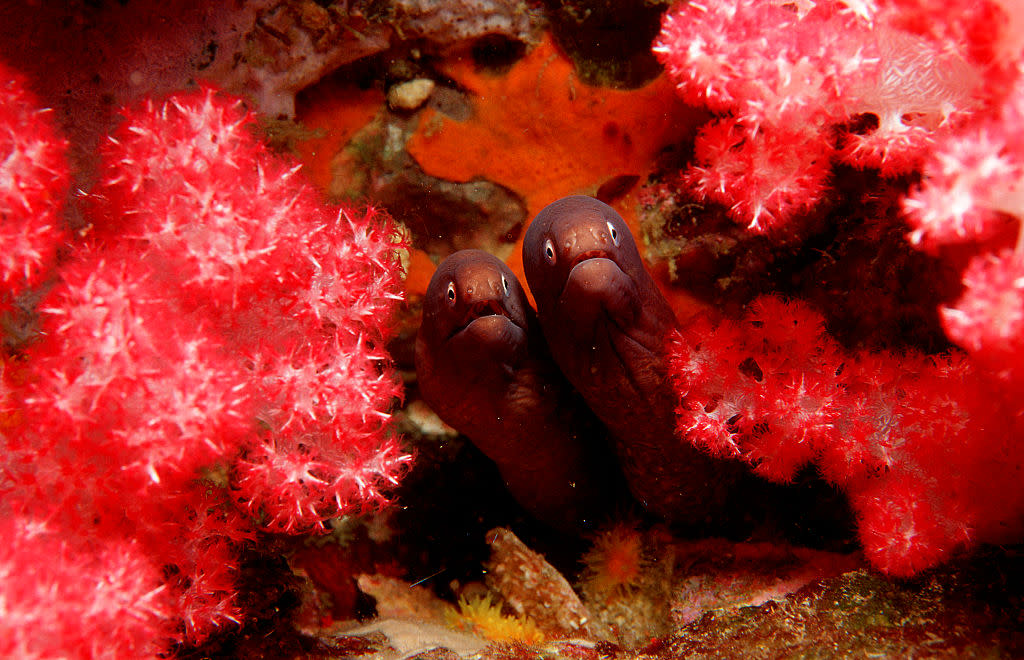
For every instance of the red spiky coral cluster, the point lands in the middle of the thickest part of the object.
(210, 364)
(923, 446)
(33, 184)
(46, 581)
(971, 201)
(925, 99)
(793, 79)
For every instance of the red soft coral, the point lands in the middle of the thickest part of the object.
(782, 373)
(303, 292)
(900, 529)
(211, 364)
(65, 599)
(763, 61)
(988, 319)
(970, 201)
(923, 446)
(927, 95)
(916, 91)
(766, 178)
(971, 188)
(149, 384)
(33, 184)
(796, 76)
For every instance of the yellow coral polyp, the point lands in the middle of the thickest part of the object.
(482, 616)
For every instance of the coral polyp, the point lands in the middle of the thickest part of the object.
(218, 317)
(483, 615)
(615, 563)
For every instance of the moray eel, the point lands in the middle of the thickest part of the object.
(483, 367)
(607, 325)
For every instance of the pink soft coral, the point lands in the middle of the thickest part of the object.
(209, 365)
(922, 446)
(789, 77)
(33, 184)
(970, 201)
(63, 598)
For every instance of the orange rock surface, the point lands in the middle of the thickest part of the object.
(543, 133)
(337, 112)
(536, 129)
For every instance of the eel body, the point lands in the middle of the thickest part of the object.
(483, 366)
(607, 324)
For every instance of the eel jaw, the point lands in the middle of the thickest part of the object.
(586, 255)
(478, 310)
(597, 290)
(589, 254)
(581, 258)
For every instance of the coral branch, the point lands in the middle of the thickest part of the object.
(210, 365)
(923, 446)
(34, 181)
(84, 601)
(797, 76)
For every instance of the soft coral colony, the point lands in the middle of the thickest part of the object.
(209, 365)
(930, 97)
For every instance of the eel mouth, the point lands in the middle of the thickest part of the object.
(580, 258)
(480, 310)
(589, 254)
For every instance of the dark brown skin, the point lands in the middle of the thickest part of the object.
(606, 325)
(483, 366)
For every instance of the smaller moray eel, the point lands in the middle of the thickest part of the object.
(607, 325)
(483, 367)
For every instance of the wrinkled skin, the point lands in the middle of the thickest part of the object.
(606, 325)
(483, 366)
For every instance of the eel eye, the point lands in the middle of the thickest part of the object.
(504, 284)
(549, 251)
(451, 293)
(614, 234)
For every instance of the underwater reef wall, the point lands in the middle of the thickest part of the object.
(206, 366)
